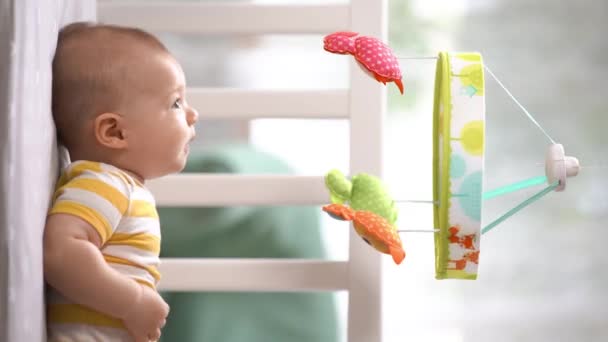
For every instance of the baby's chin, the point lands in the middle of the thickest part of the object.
(176, 166)
(181, 161)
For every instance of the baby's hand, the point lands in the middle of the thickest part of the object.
(147, 316)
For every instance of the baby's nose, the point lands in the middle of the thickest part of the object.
(192, 116)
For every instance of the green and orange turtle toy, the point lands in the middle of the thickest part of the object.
(370, 208)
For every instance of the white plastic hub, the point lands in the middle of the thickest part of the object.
(558, 166)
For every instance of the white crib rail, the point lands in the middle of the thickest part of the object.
(363, 103)
(223, 18)
(223, 190)
(284, 275)
(257, 104)
(367, 109)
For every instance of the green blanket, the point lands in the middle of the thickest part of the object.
(245, 232)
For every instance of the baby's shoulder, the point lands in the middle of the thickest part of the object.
(96, 175)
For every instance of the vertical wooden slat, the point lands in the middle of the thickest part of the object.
(367, 109)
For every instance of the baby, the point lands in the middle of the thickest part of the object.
(120, 109)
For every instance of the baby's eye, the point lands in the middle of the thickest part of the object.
(177, 104)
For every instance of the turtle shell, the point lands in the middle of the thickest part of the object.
(377, 57)
(376, 228)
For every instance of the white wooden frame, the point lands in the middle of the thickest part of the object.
(363, 103)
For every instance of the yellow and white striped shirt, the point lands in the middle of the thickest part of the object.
(124, 214)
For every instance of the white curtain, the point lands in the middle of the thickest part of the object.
(28, 154)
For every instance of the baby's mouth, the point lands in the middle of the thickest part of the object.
(187, 147)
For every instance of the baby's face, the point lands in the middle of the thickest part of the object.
(161, 123)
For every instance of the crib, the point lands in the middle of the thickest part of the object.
(30, 30)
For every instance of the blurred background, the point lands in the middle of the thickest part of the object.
(543, 272)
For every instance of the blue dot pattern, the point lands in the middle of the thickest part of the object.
(471, 199)
(458, 166)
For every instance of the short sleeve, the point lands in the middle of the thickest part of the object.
(99, 198)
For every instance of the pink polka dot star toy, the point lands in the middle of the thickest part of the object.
(371, 53)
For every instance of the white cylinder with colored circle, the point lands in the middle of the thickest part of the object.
(458, 162)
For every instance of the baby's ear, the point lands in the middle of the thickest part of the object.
(109, 130)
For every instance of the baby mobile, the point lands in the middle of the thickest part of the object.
(458, 162)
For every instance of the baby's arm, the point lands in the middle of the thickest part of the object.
(75, 267)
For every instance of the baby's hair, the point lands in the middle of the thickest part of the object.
(90, 73)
